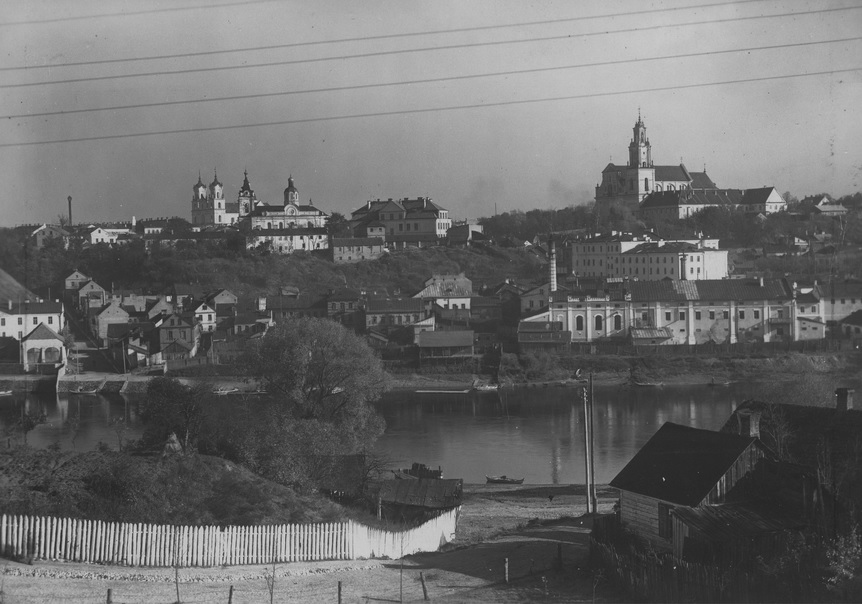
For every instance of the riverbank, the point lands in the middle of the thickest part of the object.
(521, 525)
(669, 370)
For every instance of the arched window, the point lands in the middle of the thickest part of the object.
(646, 184)
(618, 322)
(599, 322)
(579, 323)
(671, 188)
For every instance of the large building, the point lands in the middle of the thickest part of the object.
(627, 185)
(403, 222)
(288, 215)
(674, 205)
(620, 255)
(209, 207)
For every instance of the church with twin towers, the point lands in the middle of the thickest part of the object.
(210, 208)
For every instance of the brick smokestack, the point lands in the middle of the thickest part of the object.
(552, 250)
(844, 399)
(70, 209)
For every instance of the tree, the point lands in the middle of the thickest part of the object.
(171, 406)
(324, 379)
(321, 370)
(338, 225)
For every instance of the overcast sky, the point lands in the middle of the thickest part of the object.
(480, 104)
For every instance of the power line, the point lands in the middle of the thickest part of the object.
(133, 13)
(427, 80)
(429, 109)
(415, 50)
(377, 37)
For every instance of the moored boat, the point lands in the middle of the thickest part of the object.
(503, 480)
(420, 470)
(221, 391)
(5, 393)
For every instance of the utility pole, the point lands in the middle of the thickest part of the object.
(589, 464)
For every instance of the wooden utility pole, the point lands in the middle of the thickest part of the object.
(589, 465)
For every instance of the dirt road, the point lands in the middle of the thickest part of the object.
(522, 524)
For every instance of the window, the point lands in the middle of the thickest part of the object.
(665, 523)
(741, 314)
(756, 314)
(50, 320)
(599, 322)
(2, 322)
(712, 315)
(20, 321)
(725, 314)
(780, 313)
(644, 316)
(667, 316)
(682, 315)
(618, 322)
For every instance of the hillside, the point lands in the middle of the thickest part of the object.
(399, 271)
(113, 486)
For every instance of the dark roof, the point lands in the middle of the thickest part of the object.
(732, 522)
(708, 290)
(424, 492)
(673, 173)
(378, 305)
(33, 308)
(680, 464)
(699, 180)
(301, 302)
(357, 242)
(443, 339)
(43, 332)
(854, 318)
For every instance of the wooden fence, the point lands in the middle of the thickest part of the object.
(135, 544)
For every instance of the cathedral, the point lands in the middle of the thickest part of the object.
(626, 186)
(209, 208)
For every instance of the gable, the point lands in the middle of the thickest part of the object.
(681, 465)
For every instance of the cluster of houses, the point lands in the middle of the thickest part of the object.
(771, 472)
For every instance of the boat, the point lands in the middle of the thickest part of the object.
(714, 383)
(467, 391)
(221, 390)
(486, 387)
(503, 480)
(90, 391)
(420, 470)
(647, 384)
(5, 393)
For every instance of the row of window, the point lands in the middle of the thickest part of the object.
(36, 321)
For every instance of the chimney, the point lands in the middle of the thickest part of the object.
(748, 422)
(70, 209)
(553, 263)
(844, 399)
(760, 280)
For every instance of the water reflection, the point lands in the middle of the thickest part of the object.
(537, 434)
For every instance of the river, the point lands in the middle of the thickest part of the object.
(536, 434)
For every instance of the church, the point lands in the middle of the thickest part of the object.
(626, 186)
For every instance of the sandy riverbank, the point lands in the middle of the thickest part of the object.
(498, 522)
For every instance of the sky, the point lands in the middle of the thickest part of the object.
(485, 106)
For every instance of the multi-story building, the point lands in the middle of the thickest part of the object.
(355, 249)
(625, 256)
(209, 207)
(628, 185)
(406, 222)
(686, 312)
(674, 205)
(17, 319)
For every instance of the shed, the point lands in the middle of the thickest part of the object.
(680, 467)
(414, 499)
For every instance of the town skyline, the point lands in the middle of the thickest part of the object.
(519, 109)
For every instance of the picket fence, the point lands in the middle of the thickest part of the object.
(134, 544)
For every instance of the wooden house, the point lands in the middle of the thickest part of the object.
(681, 467)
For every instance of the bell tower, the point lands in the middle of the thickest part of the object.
(640, 152)
(291, 195)
(246, 198)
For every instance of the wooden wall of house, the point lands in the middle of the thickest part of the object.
(639, 514)
(743, 465)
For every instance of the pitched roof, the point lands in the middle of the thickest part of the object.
(854, 318)
(380, 305)
(443, 339)
(680, 464)
(731, 522)
(672, 173)
(699, 180)
(10, 289)
(43, 332)
(424, 492)
(742, 290)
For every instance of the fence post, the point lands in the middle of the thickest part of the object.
(506, 569)
(110, 598)
(339, 592)
(424, 588)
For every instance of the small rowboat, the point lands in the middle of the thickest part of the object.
(503, 480)
(92, 391)
(5, 393)
(222, 391)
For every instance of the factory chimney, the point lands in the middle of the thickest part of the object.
(70, 209)
(552, 252)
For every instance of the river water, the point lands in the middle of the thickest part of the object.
(535, 434)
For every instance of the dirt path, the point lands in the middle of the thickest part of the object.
(518, 523)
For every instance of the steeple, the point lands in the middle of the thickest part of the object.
(246, 197)
(640, 152)
(291, 195)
